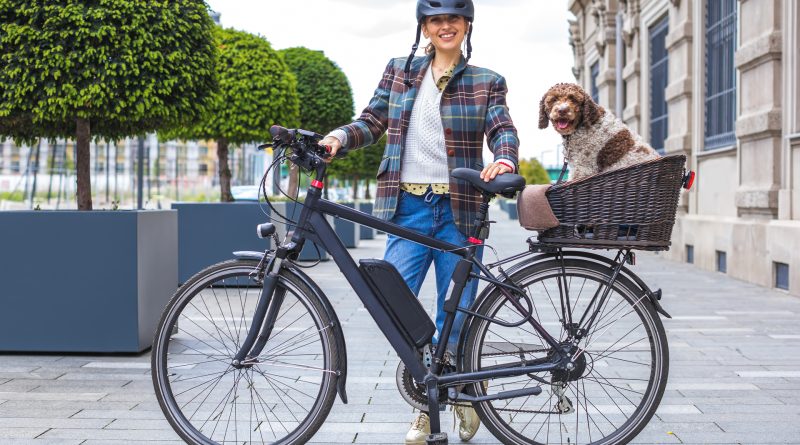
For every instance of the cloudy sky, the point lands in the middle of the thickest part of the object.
(524, 40)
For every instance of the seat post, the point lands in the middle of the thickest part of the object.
(481, 231)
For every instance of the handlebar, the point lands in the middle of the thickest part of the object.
(304, 144)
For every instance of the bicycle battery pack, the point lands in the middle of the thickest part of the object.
(402, 305)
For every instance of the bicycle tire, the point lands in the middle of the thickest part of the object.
(619, 382)
(197, 337)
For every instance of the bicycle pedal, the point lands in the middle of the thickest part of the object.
(436, 439)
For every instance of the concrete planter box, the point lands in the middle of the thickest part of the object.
(348, 231)
(366, 232)
(503, 204)
(85, 281)
(209, 232)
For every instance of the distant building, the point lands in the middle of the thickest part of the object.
(718, 81)
(174, 169)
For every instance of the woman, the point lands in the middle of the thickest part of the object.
(436, 110)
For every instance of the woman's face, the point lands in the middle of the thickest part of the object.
(445, 31)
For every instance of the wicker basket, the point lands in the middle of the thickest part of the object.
(633, 207)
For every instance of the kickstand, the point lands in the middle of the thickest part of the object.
(436, 437)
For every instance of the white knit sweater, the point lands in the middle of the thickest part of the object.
(424, 154)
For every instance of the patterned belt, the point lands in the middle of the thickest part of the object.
(422, 189)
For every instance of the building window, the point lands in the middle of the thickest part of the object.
(594, 71)
(659, 64)
(782, 276)
(722, 262)
(202, 169)
(720, 100)
(690, 254)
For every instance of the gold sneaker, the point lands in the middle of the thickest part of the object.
(420, 428)
(468, 421)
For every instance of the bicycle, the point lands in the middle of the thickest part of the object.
(561, 346)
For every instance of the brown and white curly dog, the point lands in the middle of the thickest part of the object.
(594, 139)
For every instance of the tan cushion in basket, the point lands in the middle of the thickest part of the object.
(533, 208)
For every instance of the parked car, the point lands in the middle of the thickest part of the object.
(245, 192)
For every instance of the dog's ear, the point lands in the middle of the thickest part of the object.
(591, 111)
(543, 119)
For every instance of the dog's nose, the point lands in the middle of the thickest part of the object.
(562, 109)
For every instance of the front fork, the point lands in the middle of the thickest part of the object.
(267, 309)
(270, 301)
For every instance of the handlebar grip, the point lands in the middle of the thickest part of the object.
(280, 134)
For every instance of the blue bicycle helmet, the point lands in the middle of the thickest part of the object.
(426, 8)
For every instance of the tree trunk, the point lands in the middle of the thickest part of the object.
(294, 180)
(355, 188)
(84, 178)
(366, 190)
(224, 171)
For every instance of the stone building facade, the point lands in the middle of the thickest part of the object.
(718, 81)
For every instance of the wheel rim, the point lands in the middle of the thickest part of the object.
(624, 358)
(206, 398)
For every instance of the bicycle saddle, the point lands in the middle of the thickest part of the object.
(506, 184)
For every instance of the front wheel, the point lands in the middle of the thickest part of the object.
(282, 396)
(620, 374)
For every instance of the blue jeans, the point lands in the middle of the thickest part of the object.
(430, 215)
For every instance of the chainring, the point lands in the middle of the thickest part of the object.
(415, 394)
(412, 392)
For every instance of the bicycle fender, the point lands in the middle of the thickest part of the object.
(341, 366)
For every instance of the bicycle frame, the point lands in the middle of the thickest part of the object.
(312, 225)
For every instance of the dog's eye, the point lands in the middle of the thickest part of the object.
(571, 97)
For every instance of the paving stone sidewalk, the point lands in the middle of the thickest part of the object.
(734, 374)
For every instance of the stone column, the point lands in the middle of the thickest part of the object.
(631, 72)
(578, 36)
(758, 126)
(604, 13)
(576, 42)
(679, 91)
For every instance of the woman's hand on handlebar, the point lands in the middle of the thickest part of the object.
(333, 143)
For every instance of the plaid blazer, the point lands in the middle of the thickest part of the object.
(473, 105)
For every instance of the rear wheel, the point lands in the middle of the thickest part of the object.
(621, 363)
(281, 397)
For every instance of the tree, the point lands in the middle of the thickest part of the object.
(326, 99)
(108, 68)
(256, 90)
(533, 172)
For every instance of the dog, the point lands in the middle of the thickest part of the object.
(595, 140)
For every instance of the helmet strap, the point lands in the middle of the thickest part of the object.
(469, 42)
(407, 70)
